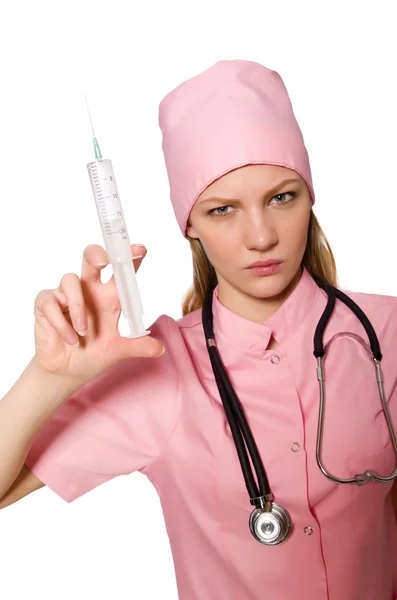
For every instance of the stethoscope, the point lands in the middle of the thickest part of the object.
(269, 522)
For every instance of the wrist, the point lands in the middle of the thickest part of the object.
(59, 386)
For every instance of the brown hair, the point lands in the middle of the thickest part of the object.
(318, 259)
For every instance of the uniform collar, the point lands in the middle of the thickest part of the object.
(294, 310)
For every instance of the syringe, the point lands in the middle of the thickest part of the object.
(115, 235)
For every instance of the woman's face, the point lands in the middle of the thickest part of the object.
(252, 221)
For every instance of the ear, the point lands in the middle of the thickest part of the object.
(191, 232)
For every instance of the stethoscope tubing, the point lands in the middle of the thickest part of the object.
(319, 352)
(238, 422)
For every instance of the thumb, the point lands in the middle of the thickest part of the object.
(145, 347)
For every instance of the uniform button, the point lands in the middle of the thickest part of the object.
(275, 359)
(295, 447)
(308, 530)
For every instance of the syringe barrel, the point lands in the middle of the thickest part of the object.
(117, 242)
(130, 300)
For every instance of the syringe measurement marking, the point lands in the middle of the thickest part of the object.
(103, 211)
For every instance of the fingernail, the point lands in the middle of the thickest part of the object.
(81, 327)
(138, 256)
(158, 356)
(101, 262)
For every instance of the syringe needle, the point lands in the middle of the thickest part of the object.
(89, 114)
(98, 153)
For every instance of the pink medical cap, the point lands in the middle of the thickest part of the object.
(235, 113)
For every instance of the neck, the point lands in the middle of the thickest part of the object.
(254, 309)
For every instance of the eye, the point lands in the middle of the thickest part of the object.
(293, 194)
(217, 214)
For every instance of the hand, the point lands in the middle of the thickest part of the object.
(57, 319)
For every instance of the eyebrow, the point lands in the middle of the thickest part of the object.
(274, 189)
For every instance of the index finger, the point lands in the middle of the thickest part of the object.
(94, 260)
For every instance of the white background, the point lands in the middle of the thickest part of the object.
(338, 63)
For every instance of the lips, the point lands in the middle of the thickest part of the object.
(264, 263)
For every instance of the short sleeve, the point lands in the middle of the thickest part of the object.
(116, 424)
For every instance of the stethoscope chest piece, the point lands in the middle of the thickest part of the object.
(270, 527)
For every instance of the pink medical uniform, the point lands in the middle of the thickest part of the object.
(164, 417)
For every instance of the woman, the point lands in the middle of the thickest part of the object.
(241, 190)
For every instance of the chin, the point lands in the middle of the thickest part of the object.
(266, 286)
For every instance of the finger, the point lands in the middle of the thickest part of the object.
(51, 310)
(138, 253)
(42, 296)
(146, 347)
(95, 258)
(71, 288)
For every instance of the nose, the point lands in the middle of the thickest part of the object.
(259, 230)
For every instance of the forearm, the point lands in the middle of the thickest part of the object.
(24, 411)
